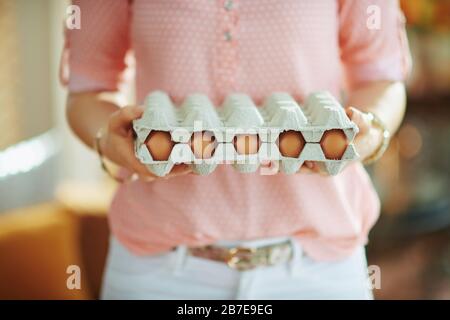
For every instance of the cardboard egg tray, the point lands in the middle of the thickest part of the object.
(239, 115)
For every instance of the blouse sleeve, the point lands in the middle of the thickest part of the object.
(373, 41)
(94, 55)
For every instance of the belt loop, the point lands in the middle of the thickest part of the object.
(297, 255)
(179, 259)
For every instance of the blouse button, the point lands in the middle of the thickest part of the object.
(228, 5)
(227, 35)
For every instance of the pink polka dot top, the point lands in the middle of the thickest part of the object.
(257, 47)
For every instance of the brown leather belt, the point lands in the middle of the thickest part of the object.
(242, 258)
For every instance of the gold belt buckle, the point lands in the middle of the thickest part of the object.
(241, 258)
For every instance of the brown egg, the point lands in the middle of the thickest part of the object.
(203, 144)
(246, 143)
(159, 144)
(291, 143)
(334, 143)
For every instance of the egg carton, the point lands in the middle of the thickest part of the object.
(239, 115)
(321, 113)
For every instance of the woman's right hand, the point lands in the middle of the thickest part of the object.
(117, 144)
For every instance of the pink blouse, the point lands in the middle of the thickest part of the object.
(257, 47)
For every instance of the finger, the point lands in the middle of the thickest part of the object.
(359, 119)
(269, 167)
(349, 112)
(309, 164)
(124, 149)
(142, 171)
(137, 168)
(120, 121)
(179, 170)
(135, 165)
(265, 163)
(147, 178)
(317, 168)
(305, 169)
(312, 167)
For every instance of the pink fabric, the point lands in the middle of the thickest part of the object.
(256, 47)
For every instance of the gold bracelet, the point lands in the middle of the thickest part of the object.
(97, 148)
(378, 153)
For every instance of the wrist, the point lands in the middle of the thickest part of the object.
(100, 140)
(380, 137)
(100, 144)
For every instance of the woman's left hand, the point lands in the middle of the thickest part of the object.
(366, 141)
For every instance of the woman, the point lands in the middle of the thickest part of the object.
(231, 235)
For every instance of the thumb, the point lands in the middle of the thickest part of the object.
(359, 119)
(120, 120)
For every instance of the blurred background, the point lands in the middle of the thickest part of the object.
(54, 197)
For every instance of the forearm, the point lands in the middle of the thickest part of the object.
(87, 112)
(385, 99)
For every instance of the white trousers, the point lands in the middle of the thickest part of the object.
(178, 275)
